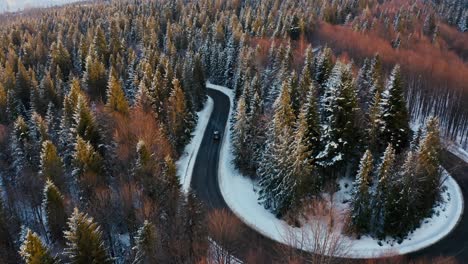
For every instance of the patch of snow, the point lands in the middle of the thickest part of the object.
(240, 195)
(187, 160)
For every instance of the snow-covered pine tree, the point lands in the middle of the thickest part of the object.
(177, 116)
(394, 113)
(231, 59)
(84, 123)
(199, 83)
(361, 197)
(84, 241)
(54, 208)
(340, 131)
(363, 84)
(257, 128)
(51, 165)
(116, 100)
(94, 77)
(382, 201)
(428, 165)
(323, 67)
(88, 165)
(409, 195)
(33, 250)
(276, 162)
(146, 244)
(302, 181)
(240, 135)
(311, 110)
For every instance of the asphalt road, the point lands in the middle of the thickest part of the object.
(205, 184)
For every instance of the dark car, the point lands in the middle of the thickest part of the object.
(216, 135)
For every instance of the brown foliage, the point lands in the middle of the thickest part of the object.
(227, 230)
(140, 125)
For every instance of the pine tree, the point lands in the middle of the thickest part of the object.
(394, 114)
(88, 165)
(84, 122)
(428, 165)
(33, 250)
(360, 201)
(382, 200)
(303, 181)
(116, 100)
(276, 163)
(323, 67)
(95, 79)
(84, 241)
(410, 195)
(51, 166)
(146, 244)
(54, 208)
(23, 84)
(199, 84)
(177, 116)
(311, 111)
(240, 135)
(340, 126)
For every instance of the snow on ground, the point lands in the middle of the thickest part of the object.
(239, 193)
(187, 160)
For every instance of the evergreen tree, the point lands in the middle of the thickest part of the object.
(95, 79)
(199, 84)
(428, 165)
(240, 135)
(146, 244)
(87, 165)
(382, 200)
(311, 112)
(360, 201)
(54, 208)
(340, 134)
(51, 166)
(84, 241)
(178, 118)
(276, 163)
(84, 122)
(33, 250)
(303, 181)
(323, 67)
(394, 114)
(116, 100)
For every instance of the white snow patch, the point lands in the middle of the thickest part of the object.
(239, 193)
(187, 160)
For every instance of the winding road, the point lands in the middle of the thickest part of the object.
(205, 183)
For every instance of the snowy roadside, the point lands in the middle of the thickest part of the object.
(239, 194)
(458, 151)
(187, 160)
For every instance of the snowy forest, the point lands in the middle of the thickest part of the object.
(99, 99)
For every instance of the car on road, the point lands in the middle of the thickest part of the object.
(216, 135)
